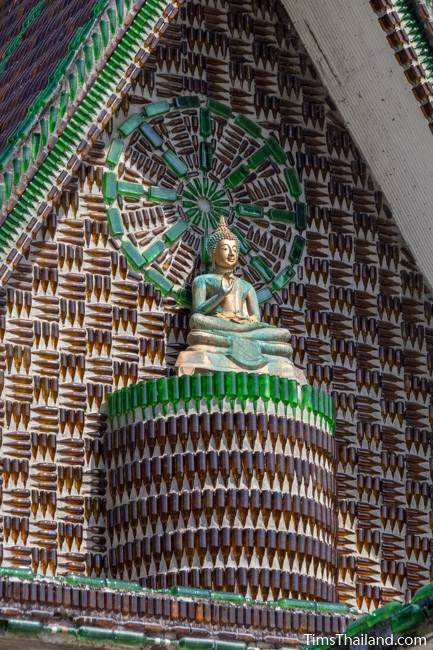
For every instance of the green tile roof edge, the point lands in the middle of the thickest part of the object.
(419, 7)
(192, 593)
(86, 112)
(42, 99)
(242, 386)
(56, 78)
(17, 40)
(402, 619)
(415, 29)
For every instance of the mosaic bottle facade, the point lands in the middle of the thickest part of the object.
(77, 321)
(224, 494)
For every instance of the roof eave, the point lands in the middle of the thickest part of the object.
(61, 146)
(375, 99)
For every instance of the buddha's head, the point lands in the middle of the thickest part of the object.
(223, 247)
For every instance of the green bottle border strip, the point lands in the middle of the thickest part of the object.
(111, 21)
(17, 40)
(403, 619)
(104, 21)
(242, 386)
(415, 29)
(56, 79)
(270, 149)
(191, 593)
(122, 637)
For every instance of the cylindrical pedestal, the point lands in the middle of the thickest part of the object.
(224, 493)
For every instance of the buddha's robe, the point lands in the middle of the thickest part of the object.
(232, 326)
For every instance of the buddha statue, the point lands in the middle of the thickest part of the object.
(225, 328)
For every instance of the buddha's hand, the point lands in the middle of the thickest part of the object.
(227, 283)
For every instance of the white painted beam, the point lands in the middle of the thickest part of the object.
(358, 68)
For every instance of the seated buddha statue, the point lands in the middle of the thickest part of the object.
(225, 328)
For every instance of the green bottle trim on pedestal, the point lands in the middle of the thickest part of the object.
(244, 386)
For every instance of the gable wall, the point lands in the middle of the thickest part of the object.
(77, 323)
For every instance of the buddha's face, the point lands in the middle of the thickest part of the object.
(226, 254)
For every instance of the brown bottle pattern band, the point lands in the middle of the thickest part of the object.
(227, 501)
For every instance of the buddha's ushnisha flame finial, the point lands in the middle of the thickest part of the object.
(222, 232)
